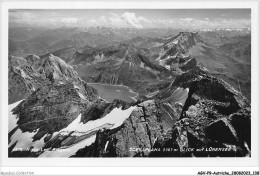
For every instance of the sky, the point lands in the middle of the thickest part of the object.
(136, 18)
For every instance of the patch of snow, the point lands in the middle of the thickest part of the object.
(152, 94)
(116, 117)
(39, 143)
(25, 76)
(142, 65)
(106, 146)
(25, 140)
(151, 70)
(75, 86)
(81, 96)
(147, 103)
(175, 41)
(178, 96)
(205, 69)
(67, 152)
(134, 98)
(98, 58)
(167, 67)
(112, 120)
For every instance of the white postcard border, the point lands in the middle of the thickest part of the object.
(51, 162)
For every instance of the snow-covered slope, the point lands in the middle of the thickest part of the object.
(83, 134)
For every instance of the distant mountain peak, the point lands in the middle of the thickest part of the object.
(187, 39)
(178, 47)
(56, 69)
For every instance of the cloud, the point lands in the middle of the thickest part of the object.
(115, 20)
(133, 20)
(126, 19)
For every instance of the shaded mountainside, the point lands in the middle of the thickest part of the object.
(230, 61)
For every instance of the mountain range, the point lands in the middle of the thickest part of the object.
(192, 91)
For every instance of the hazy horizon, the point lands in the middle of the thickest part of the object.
(137, 18)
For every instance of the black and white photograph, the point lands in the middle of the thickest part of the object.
(129, 83)
(104, 84)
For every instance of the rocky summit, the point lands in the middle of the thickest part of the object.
(181, 107)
